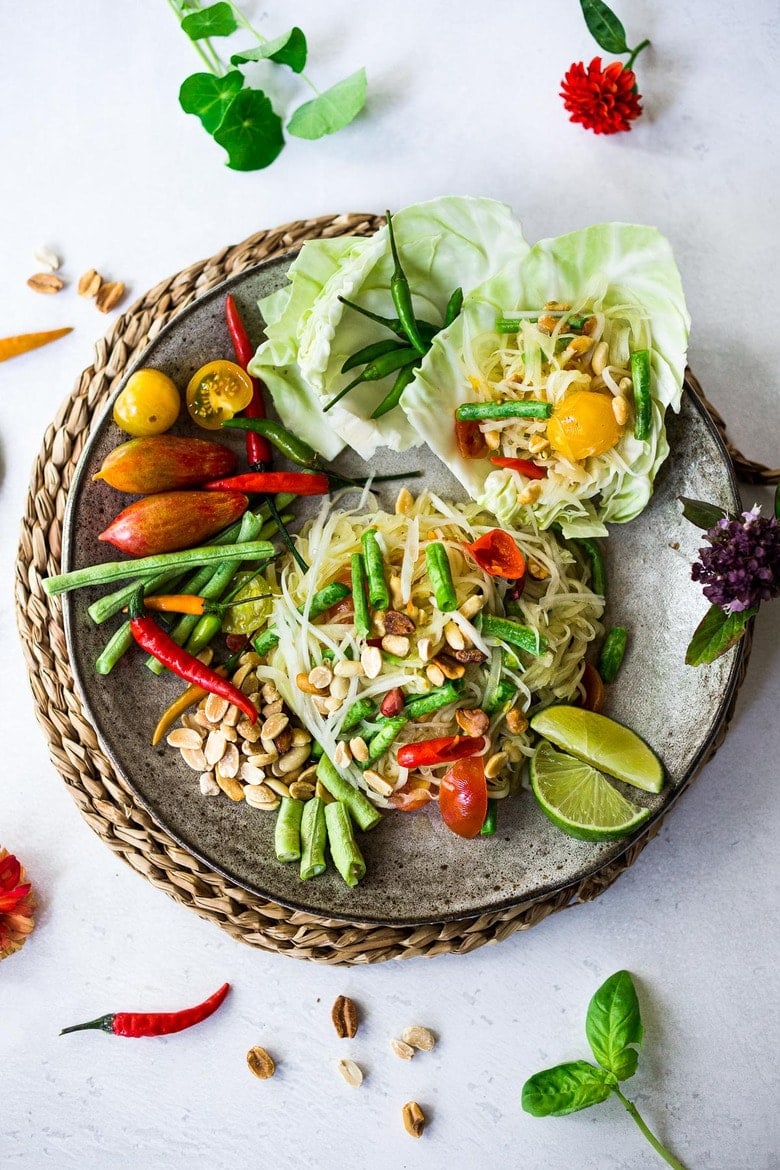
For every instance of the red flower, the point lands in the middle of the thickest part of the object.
(16, 905)
(602, 100)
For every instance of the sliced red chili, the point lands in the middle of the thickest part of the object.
(299, 483)
(497, 553)
(470, 439)
(430, 752)
(524, 466)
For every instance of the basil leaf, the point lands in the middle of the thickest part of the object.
(716, 633)
(554, 1092)
(288, 49)
(332, 110)
(216, 21)
(251, 132)
(701, 514)
(208, 97)
(614, 1023)
(604, 26)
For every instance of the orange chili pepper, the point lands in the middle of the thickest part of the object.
(23, 342)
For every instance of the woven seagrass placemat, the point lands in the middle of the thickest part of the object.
(109, 808)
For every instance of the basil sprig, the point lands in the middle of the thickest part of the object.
(614, 1029)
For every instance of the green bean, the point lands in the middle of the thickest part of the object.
(370, 353)
(643, 403)
(530, 408)
(454, 306)
(317, 750)
(402, 294)
(379, 744)
(363, 812)
(313, 834)
(270, 528)
(491, 816)
(433, 701)
(375, 570)
(612, 653)
(440, 576)
(322, 600)
(377, 370)
(287, 831)
(515, 633)
(116, 646)
(286, 443)
(598, 572)
(344, 849)
(266, 642)
(500, 699)
(511, 324)
(394, 395)
(361, 709)
(362, 619)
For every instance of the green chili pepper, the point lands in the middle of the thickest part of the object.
(491, 816)
(515, 633)
(440, 576)
(643, 406)
(370, 353)
(612, 653)
(362, 619)
(377, 370)
(393, 396)
(288, 444)
(375, 570)
(531, 408)
(427, 329)
(344, 849)
(379, 744)
(402, 296)
(361, 709)
(454, 306)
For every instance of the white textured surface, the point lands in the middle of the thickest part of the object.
(98, 162)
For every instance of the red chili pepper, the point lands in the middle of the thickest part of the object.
(470, 439)
(300, 483)
(258, 449)
(155, 641)
(524, 466)
(430, 752)
(497, 554)
(154, 1023)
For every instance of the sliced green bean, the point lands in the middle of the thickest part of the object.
(379, 744)
(361, 709)
(500, 699)
(116, 646)
(378, 593)
(363, 812)
(598, 572)
(440, 576)
(433, 701)
(491, 816)
(287, 831)
(393, 397)
(643, 403)
(362, 618)
(612, 653)
(515, 633)
(344, 849)
(370, 353)
(313, 836)
(530, 408)
(266, 642)
(454, 306)
(322, 600)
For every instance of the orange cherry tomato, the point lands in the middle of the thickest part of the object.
(594, 688)
(463, 797)
(583, 425)
(148, 405)
(216, 392)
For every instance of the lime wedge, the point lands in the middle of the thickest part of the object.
(602, 743)
(579, 800)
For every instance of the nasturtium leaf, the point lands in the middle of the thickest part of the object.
(614, 1025)
(716, 633)
(701, 514)
(251, 132)
(208, 97)
(215, 21)
(288, 49)
(604, 26)
(566, 1088)
(332, 110)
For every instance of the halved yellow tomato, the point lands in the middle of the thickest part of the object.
(583, 425)
(216, 392)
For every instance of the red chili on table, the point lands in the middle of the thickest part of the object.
(258, 449)
(524, 466)
(136, 1024)
(155, 641)
(299, 483)
(497, 553)
(430, 752)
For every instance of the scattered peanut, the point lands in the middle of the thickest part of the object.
(495, 765)
(89, 283)
(321, 677)
(473, 721)
(402, 1049)
(404, 502)
(537, 569)
(260, 1063)
(531, 492)
(414, 1119)
(45, 282)
(359, 749)
(620, 410)
(347, 668)
(342, 755)
(453, 636)
(47, 258)
(109, 295)
(377, 782)
(350, 1072)
(516, 721)
(419, 1037)
(345, 1017)
(397, 644)
(371, 661)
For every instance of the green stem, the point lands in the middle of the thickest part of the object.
(635, 52)
(661, 1150)
(214, 65)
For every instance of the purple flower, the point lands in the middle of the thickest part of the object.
(742, 566)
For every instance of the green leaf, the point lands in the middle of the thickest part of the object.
(208, 97)
(554, 1092)
(614, 1024)
(288, 49)
(716, 633)
(216, 21)
(251, 132)
(332, 110)
(604, 26)
(701, 514)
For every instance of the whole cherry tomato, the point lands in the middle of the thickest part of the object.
(148, 405)
(463, 797)
(216, 392)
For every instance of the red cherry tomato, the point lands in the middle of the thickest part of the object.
(463, 797)
(470, 440)
(497, 554)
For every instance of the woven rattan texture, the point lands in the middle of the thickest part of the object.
(103, 800)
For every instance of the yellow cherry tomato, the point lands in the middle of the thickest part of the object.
(583, 425)
(216, 392)
(148, 405)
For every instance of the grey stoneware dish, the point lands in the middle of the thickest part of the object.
(417, 870)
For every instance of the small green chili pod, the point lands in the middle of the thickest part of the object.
(598, 572)
(344, 849)
(500, 699)
(440, 576)
(375, 570)
(454, 306)
(612, 653)
(362, 618)
(370, 353)
(476, 411)
(313, 835)
(286, 443)
(394, 395)
(402, 296)
(377, 370)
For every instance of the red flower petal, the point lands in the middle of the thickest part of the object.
(602, 100)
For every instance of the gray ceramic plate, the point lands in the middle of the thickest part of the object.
(417, 871)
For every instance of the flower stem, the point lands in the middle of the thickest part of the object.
(212, 62)
(261, 40)
(635, 53)
(631, 1108)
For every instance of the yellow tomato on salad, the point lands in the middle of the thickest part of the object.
(216, 392)
(583, 425)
